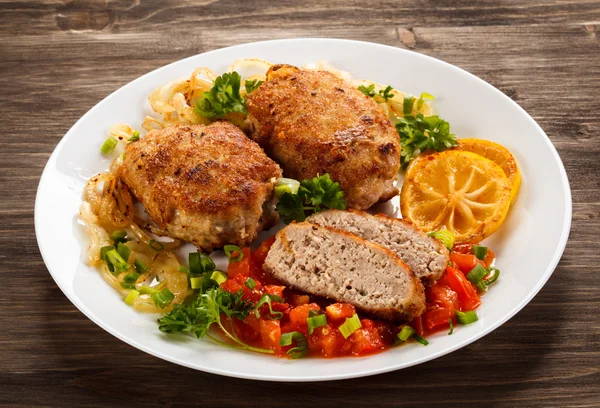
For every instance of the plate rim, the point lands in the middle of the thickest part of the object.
(566, 228)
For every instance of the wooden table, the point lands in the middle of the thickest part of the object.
(58, 59)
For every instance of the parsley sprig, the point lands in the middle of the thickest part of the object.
(215, 306)
(313, 195)
(383, 93)
(223, 98)
(252, 85)
(421, 133)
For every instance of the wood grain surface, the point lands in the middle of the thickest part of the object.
(59, 58)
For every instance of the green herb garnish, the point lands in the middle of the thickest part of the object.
(207, 310)
(383, 93)
(313, 195)
(252, 85)
(223, 98)
(421, 133)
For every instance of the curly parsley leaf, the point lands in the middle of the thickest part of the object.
(313, 195)
(252, 85)
(223, 98)
(210, 308)
(291, 208)
(385, 94)
(421, 133)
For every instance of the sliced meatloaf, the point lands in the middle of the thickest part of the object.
(426, 256)
(341, 266)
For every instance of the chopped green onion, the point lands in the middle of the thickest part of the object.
(163, 298)
(420, 339)
(316, 321)
(157, 246)
(230, 249)
(421, 101)
(139, 266)
(451, 326)
(124, 251)
(207, 263)
(118, 236)
(481, 286)
(286, 185)
(351, 325)
(184, 269)
(108, 145)
(301, 348)
(131, 297)
(406, 333)
(131, 277)
(273, 315)
(425, 95)
(135, 136)
(195, 263)
(495, 274)
(466, 317)
(250, 283)
(104, 250)
(129, 280)
(480, 251)
(219, 277)
(407, 106)
(476, 274)
(312, 313)
(197, 282)
(444, 236)
(147, 290)
(117, 261)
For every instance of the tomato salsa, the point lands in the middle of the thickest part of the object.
(290, 311)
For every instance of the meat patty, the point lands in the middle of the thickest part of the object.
(209, 185)
(426, 256)
(341, 266)
(312, 123)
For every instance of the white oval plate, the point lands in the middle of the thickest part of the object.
(529, 244)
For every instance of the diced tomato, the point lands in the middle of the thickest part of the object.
(468, 299)
(270, 332)
(468, 249)
(242, 267)
(339, 311)
(463, 248)
(464, 262)
(247, 329)
(328, 341)
(490, 256)
(366, 339)
(238, 283)
(274, 290)
(442, 304)
(417, 324)
(299, 314)
(262, 251)
(299, 300)
(386, 331)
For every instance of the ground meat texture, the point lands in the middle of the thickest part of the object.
(312, 123)
(426, 256)
(209, 185)
(346, 268)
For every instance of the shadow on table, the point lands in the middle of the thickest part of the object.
(94, 368)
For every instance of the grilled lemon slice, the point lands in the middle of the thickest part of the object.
(456, 190)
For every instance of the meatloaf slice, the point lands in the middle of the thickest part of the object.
(427, 256)
(341, 266)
